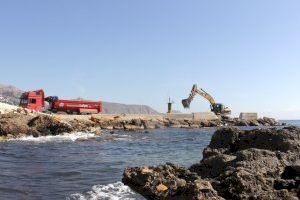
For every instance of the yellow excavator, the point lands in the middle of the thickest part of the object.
(218, 108)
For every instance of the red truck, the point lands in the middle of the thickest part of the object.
(35, 100)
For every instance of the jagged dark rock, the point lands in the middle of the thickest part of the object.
(47, 125)
(169, 182)
(256, 164)
(16, 125)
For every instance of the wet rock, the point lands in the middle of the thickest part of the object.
(136, 122)
(270, 121)
(213, 166)
(159, 125)
(17, 124)
(224, 138)
(95, 130)
(185, 126)
(256, 164)
(247, 164)
(149, 124)
(175, 126)
(14, 124)
(118, 127)
(195, 126)
(254, 123)
(213, 123)
(203, 190)
(81, 125)
(129, 127)
(47, 125)
(168, 182)
(104, 127)
(291, 172)
(242, 123)
(173, 122)
(270, 139)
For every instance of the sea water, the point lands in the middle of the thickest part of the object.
(85, 166)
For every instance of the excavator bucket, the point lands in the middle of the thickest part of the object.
(186, 103)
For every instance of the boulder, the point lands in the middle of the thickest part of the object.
(129, 127)
(14, 124)
(149, 124)
(47, 125)
(256, 164)
(95, 130)
(168, 182)
(241, 123)
(254, 123)
(253, 164)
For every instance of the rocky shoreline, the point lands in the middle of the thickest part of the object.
(22, 122)
(256, 164)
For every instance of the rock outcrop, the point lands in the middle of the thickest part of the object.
(169, 182)
(256, 164)
(14, 125)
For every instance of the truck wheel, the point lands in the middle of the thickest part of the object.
(54, 111)
(69, 112)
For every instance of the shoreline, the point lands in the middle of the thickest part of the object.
(21, 122)
(254, 164)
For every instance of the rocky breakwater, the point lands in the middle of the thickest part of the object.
(256, 164)
(18, 124)
(152, 122)
(265, 121)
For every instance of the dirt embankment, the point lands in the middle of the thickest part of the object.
(257, 164)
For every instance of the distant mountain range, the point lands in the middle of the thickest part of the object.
(11, 95)
(117, 108)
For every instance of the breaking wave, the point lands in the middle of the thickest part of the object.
(63, 137)
(115, 191)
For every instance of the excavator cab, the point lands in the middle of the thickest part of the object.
(220, 109)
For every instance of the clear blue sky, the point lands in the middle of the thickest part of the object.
(245, 53)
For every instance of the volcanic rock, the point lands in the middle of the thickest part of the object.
(168, 182)
(47, 125)
(255, 164)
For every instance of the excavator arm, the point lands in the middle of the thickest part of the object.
(217, 108)
(186, 102)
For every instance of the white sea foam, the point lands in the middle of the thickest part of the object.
(57, 138)
(115, 191)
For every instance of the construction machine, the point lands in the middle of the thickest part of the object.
(218, 108)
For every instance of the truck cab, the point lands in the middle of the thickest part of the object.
(33, 100)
